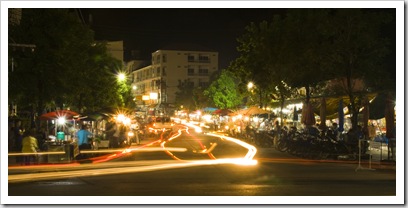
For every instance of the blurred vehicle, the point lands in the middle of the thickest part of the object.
(135, 133)
(159, 125)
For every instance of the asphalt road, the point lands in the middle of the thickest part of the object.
(202, 165)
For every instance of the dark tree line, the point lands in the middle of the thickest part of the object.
(66, 69)
(309, 47)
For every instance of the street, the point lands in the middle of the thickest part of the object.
(202, 165)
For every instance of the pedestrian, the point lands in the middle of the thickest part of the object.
(30, 146)
(123, 129)
(371, 132)
(115, 136)
(136, 128)
(11, 136)
(83, 136)
(333, 132)
(18, 132)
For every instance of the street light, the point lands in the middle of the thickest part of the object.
(250, 85)
(121, 77)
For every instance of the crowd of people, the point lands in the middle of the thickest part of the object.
(30, 141)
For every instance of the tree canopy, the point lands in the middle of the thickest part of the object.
(66, 69)
(223, 91)
(306, 48)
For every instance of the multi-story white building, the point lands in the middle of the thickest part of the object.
(156, 85)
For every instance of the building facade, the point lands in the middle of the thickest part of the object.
(156, 85)
(115, 49)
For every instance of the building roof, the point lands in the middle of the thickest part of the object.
(186, 47)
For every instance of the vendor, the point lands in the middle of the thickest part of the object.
(83, 136)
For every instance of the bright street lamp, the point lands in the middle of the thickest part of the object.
(121, 77)
(250, 85)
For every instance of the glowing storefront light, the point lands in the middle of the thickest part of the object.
(153, 96)
(145, 97)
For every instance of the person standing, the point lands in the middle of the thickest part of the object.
(83, 136)
(116, 136)
(136, 130)
(30, 146)
(10, 136)
(110, 132)
(18, 132)
(371, 132)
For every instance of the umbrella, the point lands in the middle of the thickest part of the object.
(323, 113)
(95, 116)
(222, 112)
(59, 113)
(252, 111)
(341, 116)
(308, 117)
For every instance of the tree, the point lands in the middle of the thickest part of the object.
(223, 91)
(66, 69)
(185, 96)
(306, 49)
(264, 61)
(200, 99)
(358, 51)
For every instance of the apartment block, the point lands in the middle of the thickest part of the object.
(155, 86)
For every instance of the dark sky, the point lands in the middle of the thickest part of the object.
(148, 30)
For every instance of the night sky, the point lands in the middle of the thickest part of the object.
(148, 30)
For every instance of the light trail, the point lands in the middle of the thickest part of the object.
(247, 160)
(18, 178)
(167, 149)
(87, 170)
(204, 149)
(251, 149)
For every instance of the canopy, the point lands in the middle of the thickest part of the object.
(251, 111)
(209, 109)
(59, 113)
(222, 112)
(95, 116)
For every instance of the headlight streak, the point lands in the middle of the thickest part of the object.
(179, 134)
(251, 149)
(121, 153)
(247, 160)
(202, 146)
(195, 127)
(18, 178)
(166, 149)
